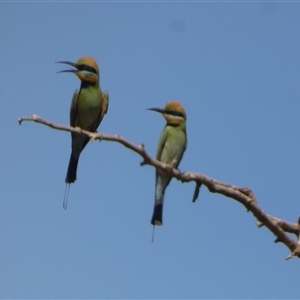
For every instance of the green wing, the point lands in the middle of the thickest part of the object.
(103, 110)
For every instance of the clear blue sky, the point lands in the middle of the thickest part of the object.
(236, 69)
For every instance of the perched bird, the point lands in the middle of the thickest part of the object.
(170, 149)
(88, 107)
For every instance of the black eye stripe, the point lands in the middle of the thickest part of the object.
(174, 113)
(86, 67)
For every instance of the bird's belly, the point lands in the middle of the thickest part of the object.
(88, 113)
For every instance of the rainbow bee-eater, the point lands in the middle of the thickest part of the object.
(170, 149)
(88, 107)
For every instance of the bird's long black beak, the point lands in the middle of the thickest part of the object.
(70, 64)
(160, 110)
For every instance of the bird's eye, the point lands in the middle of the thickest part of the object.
(87, 68)
(175, 113)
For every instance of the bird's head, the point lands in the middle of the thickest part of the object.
(86, 69)
(173, 112)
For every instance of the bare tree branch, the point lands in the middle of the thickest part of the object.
(245, 196)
